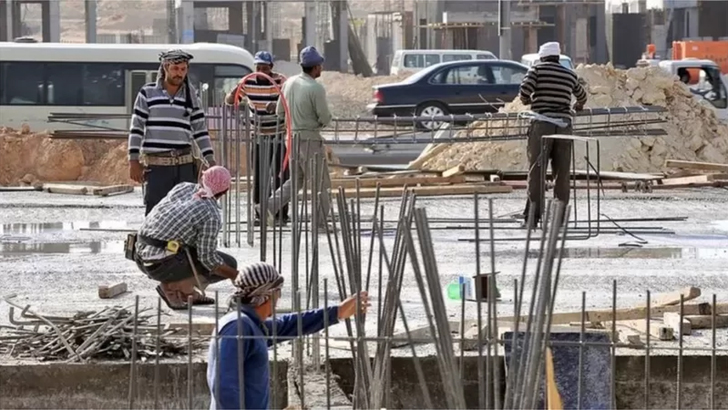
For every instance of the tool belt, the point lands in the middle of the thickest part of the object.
(170, 159)
(133, 238)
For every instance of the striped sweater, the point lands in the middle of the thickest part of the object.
(161, 123)
(548, 87)
(260, 92)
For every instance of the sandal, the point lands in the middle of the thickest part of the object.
(163, 295)
(202, 300)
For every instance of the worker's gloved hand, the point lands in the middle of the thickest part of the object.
(347, 308)
(136, 171)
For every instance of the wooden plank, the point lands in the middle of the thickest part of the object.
(113, 189)
(20, 188)
(705, 166)
(622, 176)
(632, 313)
(683, 326)
(695, 179)
(109, 292)
(350, 183)
(706, 321)
(426, 156)
(65, 189)
(433, 190)
(454, 171)
(199, 328)
(658, 330)
(673, 298)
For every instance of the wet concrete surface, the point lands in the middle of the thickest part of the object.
(55, 250)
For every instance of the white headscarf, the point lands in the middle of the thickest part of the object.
(550, 49)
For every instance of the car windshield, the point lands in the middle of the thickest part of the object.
(419, 75)
(566, 63)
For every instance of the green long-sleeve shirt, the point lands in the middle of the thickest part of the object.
(306, 102)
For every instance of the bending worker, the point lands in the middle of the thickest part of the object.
(177, 243)
(258, 290)
(268, 128)
(167, 117)
(548, 87)
(310, 113)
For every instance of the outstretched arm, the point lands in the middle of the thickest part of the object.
(312, 321)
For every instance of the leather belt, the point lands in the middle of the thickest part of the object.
(168, 161)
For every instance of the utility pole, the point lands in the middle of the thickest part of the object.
(504, 29)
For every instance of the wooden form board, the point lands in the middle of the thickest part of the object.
(705, 166)
(673, 298)
(112, 190)
(635, 313)
(658, 330)
(349, 183)
(109, 292)
(432, 190)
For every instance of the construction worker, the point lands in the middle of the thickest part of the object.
(167, 118)
(269, 128)
(310, 113)
(177, 243)
(547, 88)
(258, 290)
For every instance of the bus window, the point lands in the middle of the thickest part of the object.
(456, 57)
(431, 59)
(22, 84)
(226, 78)
(414, 61)
(103, 84)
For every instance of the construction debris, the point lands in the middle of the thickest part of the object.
(104, 334)
(108, 292)
(694, 133)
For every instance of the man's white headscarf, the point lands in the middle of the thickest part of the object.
(550, 49)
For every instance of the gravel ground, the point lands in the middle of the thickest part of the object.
(55, 250)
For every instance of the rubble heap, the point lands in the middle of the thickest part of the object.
(694, 132)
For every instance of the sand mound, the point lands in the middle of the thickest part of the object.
(349, 95)
(693, 130)
(28, 158)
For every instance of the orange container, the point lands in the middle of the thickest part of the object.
(716, 51)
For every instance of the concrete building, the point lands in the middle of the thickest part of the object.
(578, 26)
(11, 18)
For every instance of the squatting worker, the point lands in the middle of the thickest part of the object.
(309, 114)
(262, 96)
(167, 117)
(548, 88)
(177, 243)
(258, 289)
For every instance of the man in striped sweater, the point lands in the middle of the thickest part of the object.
(268, 129)
(167, 118)
(548, 88)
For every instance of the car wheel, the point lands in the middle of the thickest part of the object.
(431, 109)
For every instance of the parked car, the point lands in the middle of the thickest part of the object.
(459, 87)
(412, 61)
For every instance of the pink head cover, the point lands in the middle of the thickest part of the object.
(214, 181)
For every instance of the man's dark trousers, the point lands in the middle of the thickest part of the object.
(159, 180)
(556, 150)
(276, 151)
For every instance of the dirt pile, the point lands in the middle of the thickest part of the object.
(693, 130)
(28, 158)
(349, 95)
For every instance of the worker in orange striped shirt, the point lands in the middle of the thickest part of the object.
(268, 129)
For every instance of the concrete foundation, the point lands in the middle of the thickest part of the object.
(106, 385)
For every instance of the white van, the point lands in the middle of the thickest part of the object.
(531, 59)
(411, 61)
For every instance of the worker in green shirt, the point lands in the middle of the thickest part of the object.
(310, 113)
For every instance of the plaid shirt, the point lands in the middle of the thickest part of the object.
(190, 221)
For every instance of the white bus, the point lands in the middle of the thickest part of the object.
(37, 79)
